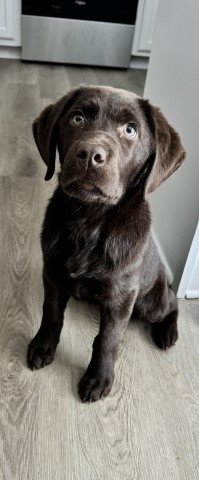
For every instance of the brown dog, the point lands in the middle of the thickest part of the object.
(114, 149)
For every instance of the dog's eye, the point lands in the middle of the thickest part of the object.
(77, 119)
(130, 130)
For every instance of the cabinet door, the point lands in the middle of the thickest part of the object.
(144, 27)
(6, 19)
(10, 22)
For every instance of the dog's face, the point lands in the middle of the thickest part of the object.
(107, 139)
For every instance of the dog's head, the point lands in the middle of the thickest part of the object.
(109, 140)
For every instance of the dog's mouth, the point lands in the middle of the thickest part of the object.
(87, 191)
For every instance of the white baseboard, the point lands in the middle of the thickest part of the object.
(139, 62)
(15, 52)
(192, 294)
(10, 52)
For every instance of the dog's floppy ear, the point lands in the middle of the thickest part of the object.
(168, 151)
(44, 130)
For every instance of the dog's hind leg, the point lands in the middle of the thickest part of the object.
(159, 307)
(165, 333)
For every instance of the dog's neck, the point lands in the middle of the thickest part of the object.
(101, 211)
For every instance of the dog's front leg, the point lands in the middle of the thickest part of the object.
(98, 379)
(42, 348)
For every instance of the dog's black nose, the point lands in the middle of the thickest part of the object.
(91, 155)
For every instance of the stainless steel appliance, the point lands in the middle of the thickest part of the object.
(79, 31)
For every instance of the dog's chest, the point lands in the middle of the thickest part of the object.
(85, 263)
(84, 256)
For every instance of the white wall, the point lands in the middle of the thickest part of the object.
(173, 84)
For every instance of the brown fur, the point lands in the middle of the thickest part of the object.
(96, 237)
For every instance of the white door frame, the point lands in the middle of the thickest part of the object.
(192, 260)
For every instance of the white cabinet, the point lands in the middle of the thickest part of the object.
(144, 27)
(10, 21)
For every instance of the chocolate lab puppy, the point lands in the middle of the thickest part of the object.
(114, 149)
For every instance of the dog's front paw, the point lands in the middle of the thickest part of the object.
(92, 388)
(40, 353)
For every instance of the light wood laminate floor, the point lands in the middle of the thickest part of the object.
(148, 428)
